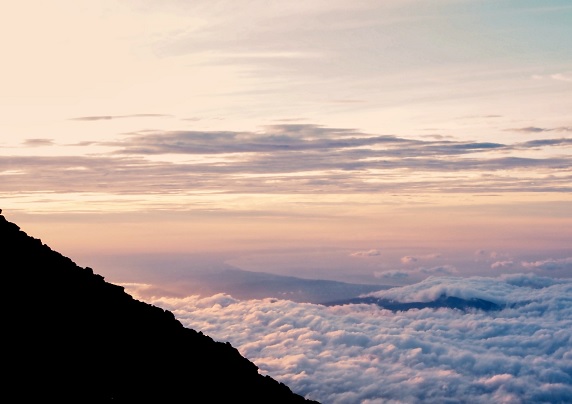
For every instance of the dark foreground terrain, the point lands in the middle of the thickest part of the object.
(70, 336)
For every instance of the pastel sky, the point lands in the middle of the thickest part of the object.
(362, 140)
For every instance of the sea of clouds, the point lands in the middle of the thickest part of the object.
(365, 354)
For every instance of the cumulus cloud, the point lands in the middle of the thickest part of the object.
(550, 264)
(368, 253)
(362, 353)
(399, 275)
(408, 259)
(502, 264)
(506, 291)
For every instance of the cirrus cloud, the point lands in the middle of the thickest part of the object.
(110, 117)
(292, 158)
(38, 142)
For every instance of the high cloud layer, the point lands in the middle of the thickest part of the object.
(291, 158)
(361, 353)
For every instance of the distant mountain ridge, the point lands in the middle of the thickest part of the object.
(70, 336)
(442, 301)
(183, 275)
(243, 284)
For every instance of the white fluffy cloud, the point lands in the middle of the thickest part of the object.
(408, 259)
(550, 264)
(502, 264)
(361, 353)
(368, 253)
(403, 274)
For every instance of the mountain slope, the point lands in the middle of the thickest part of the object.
(70, 336)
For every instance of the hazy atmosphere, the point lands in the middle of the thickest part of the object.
(199, 152)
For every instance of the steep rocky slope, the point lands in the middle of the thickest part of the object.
(70, 336)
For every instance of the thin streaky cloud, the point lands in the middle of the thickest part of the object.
(330, 172)
(562, 77)
(367, 253)
(348, 101)
(480, 116)
(565, 77)
(292, 157)
(281, 138)
(292, 137)
(290, 120)
(38, 142)
(528, 129)
(110, 117)
(536, 129)
(83, 143)
(546, 142)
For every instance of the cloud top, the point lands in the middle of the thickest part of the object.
(361, 353)
(550, 264)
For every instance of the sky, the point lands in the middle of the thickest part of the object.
(422, 145)
(360, 141)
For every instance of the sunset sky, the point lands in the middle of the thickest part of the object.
(364, 141)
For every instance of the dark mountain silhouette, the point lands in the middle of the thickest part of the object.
(70, 336)
(443, 301)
